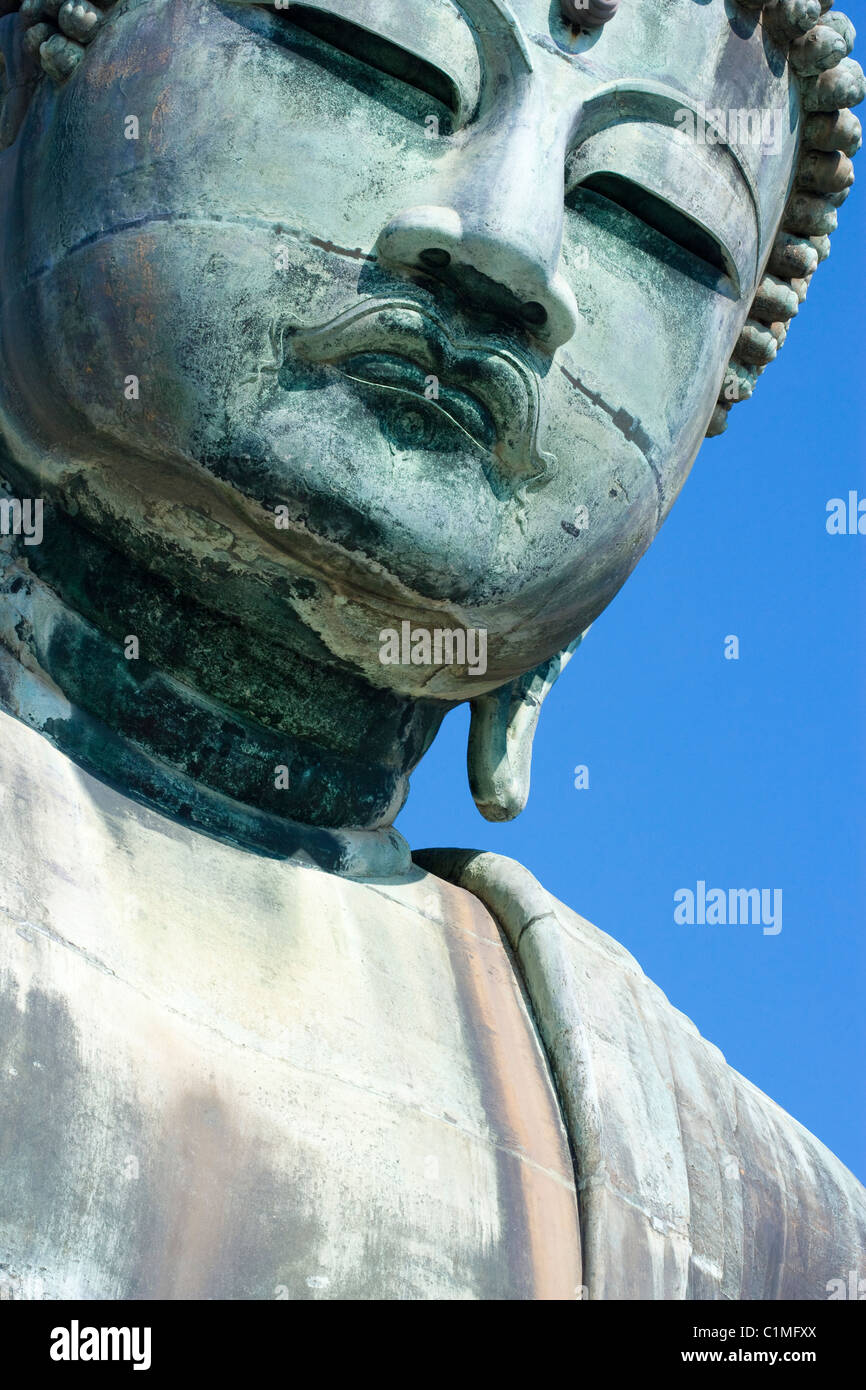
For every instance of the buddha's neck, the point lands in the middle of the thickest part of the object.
(235, 733)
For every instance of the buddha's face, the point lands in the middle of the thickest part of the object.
(444, 291)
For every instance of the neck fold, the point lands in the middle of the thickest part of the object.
(220, 726)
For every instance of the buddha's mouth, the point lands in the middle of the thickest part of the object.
(488, 392)
(395, 373)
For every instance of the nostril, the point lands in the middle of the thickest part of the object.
(435, 258)
(533, 314)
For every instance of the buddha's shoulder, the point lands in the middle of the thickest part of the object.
(707, 1187)
(538, 925)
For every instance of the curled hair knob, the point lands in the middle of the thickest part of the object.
(589, 14)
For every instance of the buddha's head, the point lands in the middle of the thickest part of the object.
(356, 312)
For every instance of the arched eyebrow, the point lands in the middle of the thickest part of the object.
(496, 17)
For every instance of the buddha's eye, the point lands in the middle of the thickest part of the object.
(678, 229)
(375, 51)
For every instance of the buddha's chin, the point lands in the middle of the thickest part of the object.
(410, 535)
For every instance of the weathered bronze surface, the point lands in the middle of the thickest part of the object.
(318, 323)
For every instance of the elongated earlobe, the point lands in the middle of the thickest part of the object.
(499, 756)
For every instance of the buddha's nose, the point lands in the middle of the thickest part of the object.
(490, 264)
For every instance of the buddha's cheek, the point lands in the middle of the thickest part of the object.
(653, 341)
(163, 338)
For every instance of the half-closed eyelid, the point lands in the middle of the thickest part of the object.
(426, 43)
(663, 217)
(379, 53)
(694, 196)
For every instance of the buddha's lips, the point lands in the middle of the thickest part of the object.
(397, 345)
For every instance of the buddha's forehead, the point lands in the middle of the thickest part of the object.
(709, 50)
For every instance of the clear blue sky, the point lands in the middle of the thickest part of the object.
(745, 773)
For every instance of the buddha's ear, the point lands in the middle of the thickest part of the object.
(499, 756)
